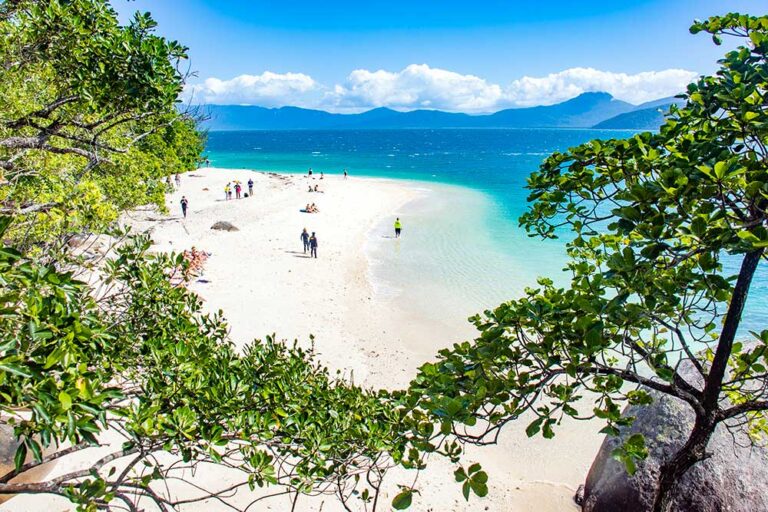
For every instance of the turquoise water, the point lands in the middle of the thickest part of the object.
(462, 250)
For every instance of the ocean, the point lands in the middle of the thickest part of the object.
(462, 250)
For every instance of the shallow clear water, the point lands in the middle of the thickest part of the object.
(462, 250)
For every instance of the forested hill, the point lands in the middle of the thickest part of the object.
(584, 111)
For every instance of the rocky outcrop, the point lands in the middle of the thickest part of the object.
(224, 226)
(733, 479)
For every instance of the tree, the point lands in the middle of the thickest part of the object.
(669, 229)
(89, 124)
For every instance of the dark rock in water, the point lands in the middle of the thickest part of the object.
(224, 226)
(733, 479)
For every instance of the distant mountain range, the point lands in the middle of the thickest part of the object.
(588, 110)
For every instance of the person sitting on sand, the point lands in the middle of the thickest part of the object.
(310, 189)
(321, 174)
(316, 190)
(306, 209)
(305, 238)
(313, 208)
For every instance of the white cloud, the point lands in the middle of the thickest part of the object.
(637, 88)
(267, 89)
(420, 86)
(416, 86)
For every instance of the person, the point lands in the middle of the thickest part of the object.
(309, 189)
(168, 182)
(238, 188)
(316, 190)
(305, 239)
(313, 208)
(228, 191)
(207, 163)
(321, 174)
(398, 227)
(178, 180)
(184, 204)
(250, 187)
(345, 174)
(313, 246)
(310, 172)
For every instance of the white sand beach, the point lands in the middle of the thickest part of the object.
(263, 282)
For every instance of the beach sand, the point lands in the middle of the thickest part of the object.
(263, 282)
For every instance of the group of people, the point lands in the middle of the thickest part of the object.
(310, 243)
(238, 189)
(309, 173)
(311, 208)
(176, 178)
(315, 189)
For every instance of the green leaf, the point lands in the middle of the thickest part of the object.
(65, 400)
(403, 500)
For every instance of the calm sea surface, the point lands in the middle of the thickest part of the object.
(462, 250)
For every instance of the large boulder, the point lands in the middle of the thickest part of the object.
(733, 479)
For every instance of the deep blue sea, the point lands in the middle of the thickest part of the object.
(463, 237)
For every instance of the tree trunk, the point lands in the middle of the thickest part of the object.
(671, 472)
(695, 447)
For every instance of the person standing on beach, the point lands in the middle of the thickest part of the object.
(250, 187)
(228, 191)
(305, 238)
(178, 180)
(184, 204)
(345, 174)
(309, 173)
(313, 246)
(238, 188)
(398, 227)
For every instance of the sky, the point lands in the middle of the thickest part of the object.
(479, 56)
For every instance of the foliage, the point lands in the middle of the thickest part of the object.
(668, 230)
(89, 124)
(143, 361)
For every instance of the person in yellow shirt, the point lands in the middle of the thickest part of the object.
(398, 227)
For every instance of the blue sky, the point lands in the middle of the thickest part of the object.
(468, 56)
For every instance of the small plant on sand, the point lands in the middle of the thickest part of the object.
(669, 229)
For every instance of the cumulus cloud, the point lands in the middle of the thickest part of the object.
(416, 86)
(637, 88)
(419, 86)
(267, 89)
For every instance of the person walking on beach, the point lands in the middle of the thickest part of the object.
(305, 238)
(345, 174)
(178, 180)
(398, 227)
(184, 204)
(250, 187)
(313, 246)
(238, 188)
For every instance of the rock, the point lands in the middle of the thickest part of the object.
(733, 479)
(8, 445)
(224, 226)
